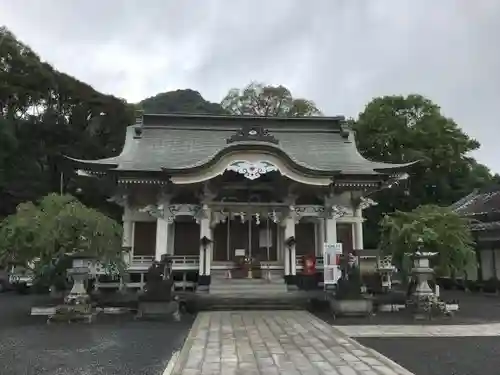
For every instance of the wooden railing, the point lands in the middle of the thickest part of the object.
(300, 266)
(185, 262)
(143, 259)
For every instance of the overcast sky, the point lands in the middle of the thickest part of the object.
(339, 53)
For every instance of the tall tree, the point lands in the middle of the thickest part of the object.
(180, 101)
(429, 228)
(399, 129)
(258, 99)
(43, 114)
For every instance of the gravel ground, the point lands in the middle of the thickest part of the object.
(112, 345)
(441, 355)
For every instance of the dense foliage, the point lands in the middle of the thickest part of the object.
(429, 228)
(57, 226)
(399, 129)
(45, 114)
(260, 100)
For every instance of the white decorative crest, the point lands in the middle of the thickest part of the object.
(274, 217)
(250, 170)
(366, 202)
(257, 219)
(154, 210)
(294, 214)
(338, 211)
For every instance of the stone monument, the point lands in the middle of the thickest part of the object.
(158, 299)
(348, 299)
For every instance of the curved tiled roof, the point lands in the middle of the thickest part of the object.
(479, 202)
(319, 147)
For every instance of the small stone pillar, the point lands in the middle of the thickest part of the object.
(385, 270)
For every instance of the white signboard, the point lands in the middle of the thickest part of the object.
(239, 252)
(331, 270)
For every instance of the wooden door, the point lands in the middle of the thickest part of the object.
(186, 238)
(220, 242)
(145, 238)
(306, 239)
(238, 237)
(344, 235)
(264, 241)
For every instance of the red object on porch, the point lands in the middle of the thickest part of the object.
(309, 262)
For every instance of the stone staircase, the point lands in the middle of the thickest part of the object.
(247, 288)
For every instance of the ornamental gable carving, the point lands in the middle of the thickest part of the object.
(252, 133)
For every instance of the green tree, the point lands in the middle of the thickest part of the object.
(44, 114)
(429, 228)
(258, 99)
(180, 101)
(56, 227)
(399, 129)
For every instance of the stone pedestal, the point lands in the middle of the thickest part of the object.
(158, 309)
(423, 299)
(77, 305)
(78, 294)
(351, 307)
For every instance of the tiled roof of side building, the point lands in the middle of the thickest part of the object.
(180, 143)
(479, 202)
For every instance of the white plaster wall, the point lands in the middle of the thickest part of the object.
(497, 261)
(472, 273)
(486, 263)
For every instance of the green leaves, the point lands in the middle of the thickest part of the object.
(57, 226)
(429, 228)
(398, 129)
(257, 99)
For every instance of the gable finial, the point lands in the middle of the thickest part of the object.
(139, 122)
(252, 133)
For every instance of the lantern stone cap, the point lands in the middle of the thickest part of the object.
(423, 254)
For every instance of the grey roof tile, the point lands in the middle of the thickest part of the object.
(479, 202)
(177, 147)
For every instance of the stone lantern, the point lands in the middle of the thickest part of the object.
(79, 272)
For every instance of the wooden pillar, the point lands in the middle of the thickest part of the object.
(321, 237)
(162, 232)
(128, 239)
(331, 230)
(205, 254)
(358, 229)
(290, 261)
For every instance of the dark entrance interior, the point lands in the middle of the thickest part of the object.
(258, 240)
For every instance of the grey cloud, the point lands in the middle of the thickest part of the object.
(338, 53)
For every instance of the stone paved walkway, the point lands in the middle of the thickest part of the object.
(469, 330)
(272, 343)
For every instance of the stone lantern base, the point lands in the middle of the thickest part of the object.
(77, 305)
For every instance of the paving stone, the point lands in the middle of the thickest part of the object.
(462, 330)
(273, 343)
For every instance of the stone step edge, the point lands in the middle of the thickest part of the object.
(48, 311)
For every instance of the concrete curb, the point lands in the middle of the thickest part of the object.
(171, 364)
(51, 310)
(183, 354)
(382, 358)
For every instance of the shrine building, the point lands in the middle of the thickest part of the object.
(211, 190)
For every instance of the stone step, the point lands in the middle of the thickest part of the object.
(248, 291)
(230, 284)
(255, 282)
